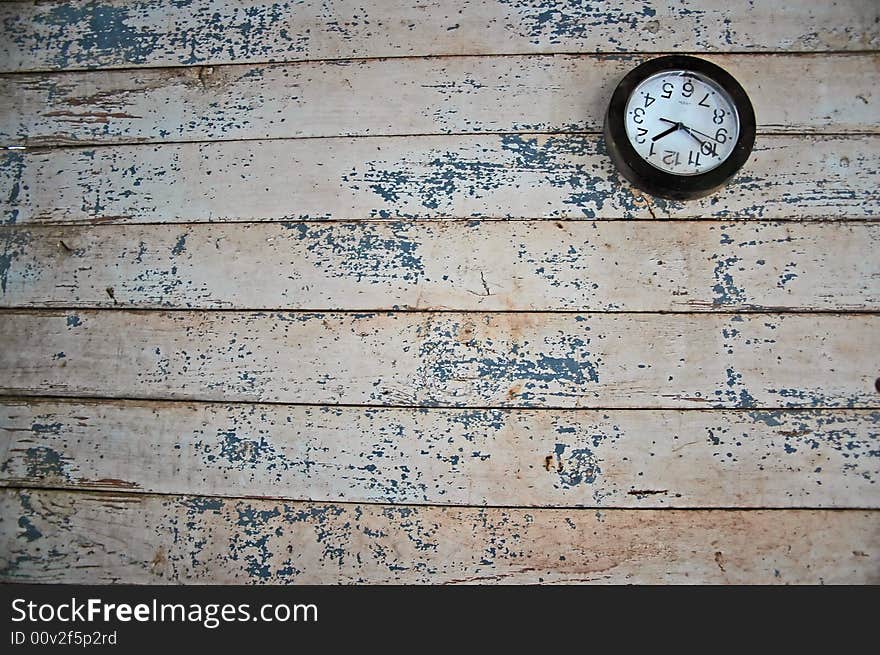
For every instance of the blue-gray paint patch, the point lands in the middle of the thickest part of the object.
(725, 289)
(364, 251)
(31, 533)
(42, 463)
(15, 242)
(180, 245)
(244, 453)
(103, 31)
(563, 365)
(562, 21)
(12, 165)
(448, 175)
(578, 466)
(203, 505)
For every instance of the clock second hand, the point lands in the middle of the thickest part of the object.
(703, 134)
(690, 130)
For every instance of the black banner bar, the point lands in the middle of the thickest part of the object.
(126, 617)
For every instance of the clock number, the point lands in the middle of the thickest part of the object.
(721, 135)
(687, 89)
(649, 100)
(638, 115)
(702, 102)
(651, 151)
(671, 158)
(694, 158)
(709, 149)
(667, 92)
(642, 133)
(718, 116)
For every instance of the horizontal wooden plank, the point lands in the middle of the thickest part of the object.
(120, 33)
(402, 96)
(51, 536)
(507, 265)
(488, 176)
(448, 359)
(519, 458)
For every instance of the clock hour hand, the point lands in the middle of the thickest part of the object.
(672, 129)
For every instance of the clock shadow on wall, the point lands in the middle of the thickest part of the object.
(679, 127)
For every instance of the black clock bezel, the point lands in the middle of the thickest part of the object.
(651, 179)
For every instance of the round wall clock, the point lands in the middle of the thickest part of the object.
(679, 127)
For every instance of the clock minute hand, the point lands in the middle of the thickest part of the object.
(672, 129)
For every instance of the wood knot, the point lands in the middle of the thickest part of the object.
(514, 391)
(549, 465)
(466, 333)
(205, 74)
(159, 559)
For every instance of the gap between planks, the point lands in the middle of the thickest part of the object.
(98, 399)
(815, 220)
(101, 145)
(341, 60)
(352, 503)
(35, 395)
(317, 222)
(762, 310)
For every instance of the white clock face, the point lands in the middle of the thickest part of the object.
(681, 122)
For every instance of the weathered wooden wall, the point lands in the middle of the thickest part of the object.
(350, 292)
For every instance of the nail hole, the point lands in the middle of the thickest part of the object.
(877, 385)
